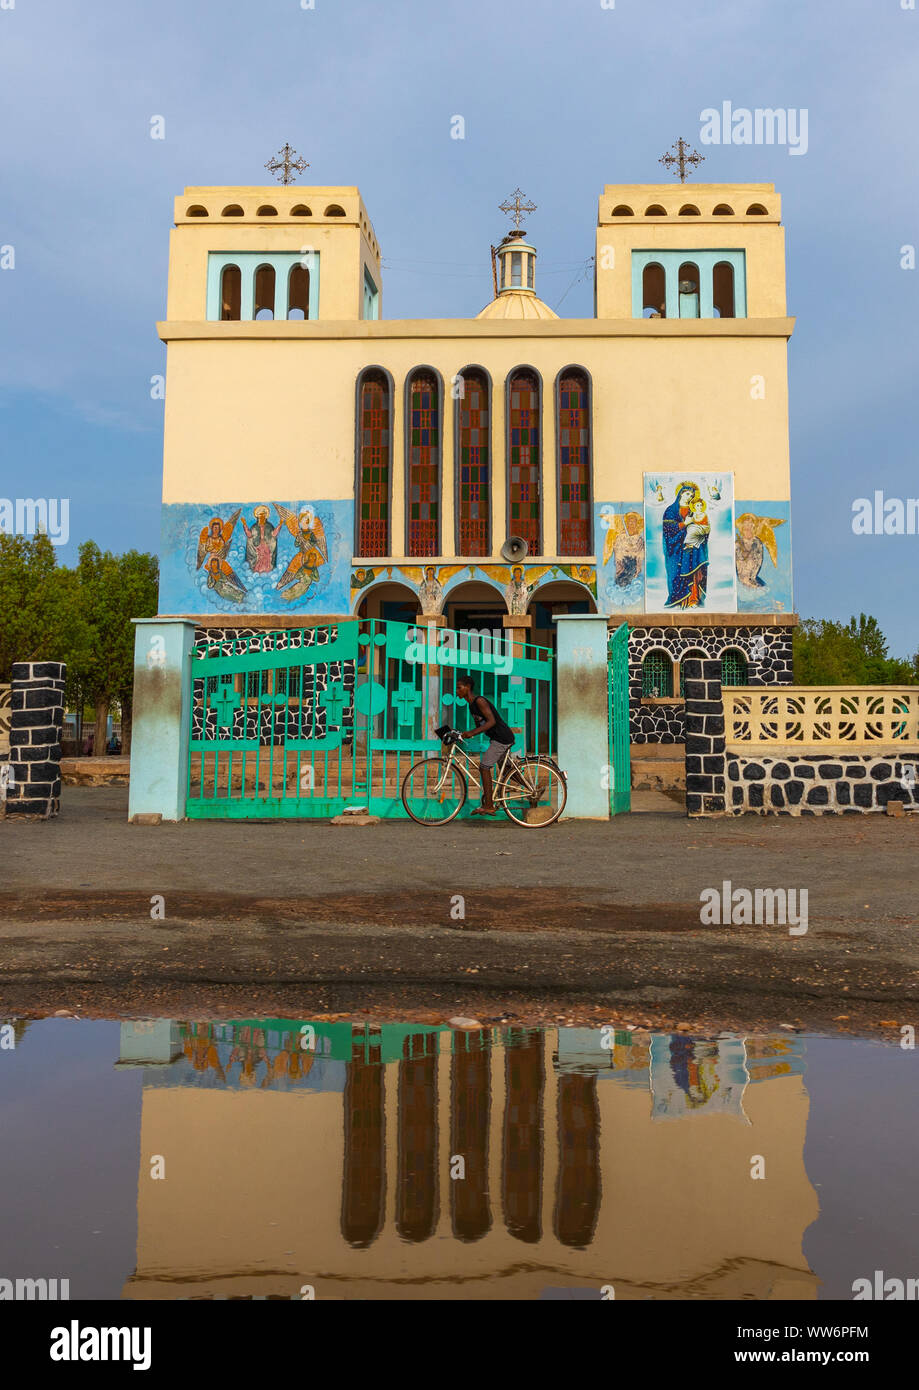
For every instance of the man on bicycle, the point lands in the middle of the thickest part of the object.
(500, 738)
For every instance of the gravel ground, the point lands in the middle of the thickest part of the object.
(584, 922)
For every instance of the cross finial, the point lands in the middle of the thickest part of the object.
(287, 163)
(517, 208)
(681, 158)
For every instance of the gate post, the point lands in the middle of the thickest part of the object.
(162, 704)
(583, 713)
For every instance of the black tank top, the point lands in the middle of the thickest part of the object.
(500, 733)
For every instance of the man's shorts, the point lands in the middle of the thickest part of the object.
(493, 753)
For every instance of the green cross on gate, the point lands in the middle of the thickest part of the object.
(333, 699)
(516, 701)
(225, 701)
(406, 699)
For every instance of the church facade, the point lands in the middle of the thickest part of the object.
(323, 461)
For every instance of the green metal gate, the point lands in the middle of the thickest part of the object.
(307, 721)
(620, 791)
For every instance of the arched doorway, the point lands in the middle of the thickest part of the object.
(476, 606)
(549, 602)
(391, 601)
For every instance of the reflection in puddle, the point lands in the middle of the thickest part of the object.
(402, 1161)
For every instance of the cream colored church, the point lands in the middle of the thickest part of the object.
(322, 460)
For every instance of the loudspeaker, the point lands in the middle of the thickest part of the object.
(514, 550)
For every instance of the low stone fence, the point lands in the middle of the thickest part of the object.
(36, 722)
(800, 751)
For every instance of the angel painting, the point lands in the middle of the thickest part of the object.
(518, 587)
(430, 585)
(312, 552)
(213, 545)
(261, 542)
(755, 538)
(625, 540)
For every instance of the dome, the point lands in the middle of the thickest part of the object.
(517, 304)
(515, 274)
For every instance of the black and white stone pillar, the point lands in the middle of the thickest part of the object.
(704, 713)
(36, 724)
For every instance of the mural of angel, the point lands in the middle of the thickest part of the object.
(222, 577)
(261, 542)
(755, 538)
(312, 552)
(518, 584)
(215, 537)
(625, 540)
(430, 583)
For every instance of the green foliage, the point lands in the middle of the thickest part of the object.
(853, 653)
(81, 616)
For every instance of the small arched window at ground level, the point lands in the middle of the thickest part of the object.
(298, 293)
(657, 675)
(734, 668)
(230, 292)
(687, 656)
(654, 292)
(689, 290)
(723, 290)
(264, 292)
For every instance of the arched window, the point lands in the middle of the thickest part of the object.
(196, 210)
(723, 290)
(654, 292)
(524, 459)
(473, 455)
(622, 211)
(230, 292)
(657, 675)
(734, 669)
(374, 442)
(722, 210)
(266, 210)
(689, 210)
(687, 656)
(689, 290)
(234, 210)
(756, 210)
(574, 463)
(298, 293)
(264, 292)
(333, 210)
(301, 210)
(422, 442)
(655, 210)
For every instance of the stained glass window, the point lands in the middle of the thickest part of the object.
(423, 465)
(574, 464)
(524, 463)
(375, 443)
(474, 446)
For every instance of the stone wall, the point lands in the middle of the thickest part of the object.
(808, 783)
(666, 723)
(705, 782)
(820, 784)
(36, 723)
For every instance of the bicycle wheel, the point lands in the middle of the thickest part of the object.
(535, 793)
(434, 791)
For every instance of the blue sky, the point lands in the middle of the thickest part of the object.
(560, 98)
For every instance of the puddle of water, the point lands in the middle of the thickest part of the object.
(262, 1159)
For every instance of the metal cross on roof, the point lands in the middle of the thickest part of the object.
(287, 163)
(681, 158)
(517, 208)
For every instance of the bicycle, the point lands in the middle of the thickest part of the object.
(531, 790)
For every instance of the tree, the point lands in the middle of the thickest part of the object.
(853, 653)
